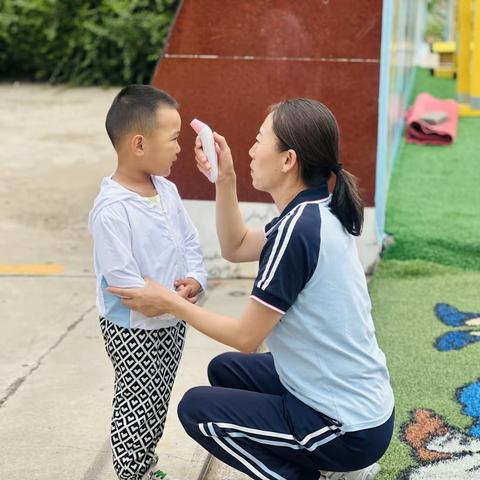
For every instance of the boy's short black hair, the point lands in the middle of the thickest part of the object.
(135, 108)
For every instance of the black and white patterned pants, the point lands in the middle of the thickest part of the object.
(145, 364)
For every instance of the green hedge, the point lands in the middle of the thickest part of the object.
(83, 42)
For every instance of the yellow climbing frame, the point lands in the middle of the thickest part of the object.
(468, 57)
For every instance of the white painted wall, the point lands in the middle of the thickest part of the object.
(257, 215)
(202, 212)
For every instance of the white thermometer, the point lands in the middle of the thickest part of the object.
(208, 146)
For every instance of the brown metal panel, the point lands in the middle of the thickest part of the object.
(232, 94)
(298, 28)
(232, 97)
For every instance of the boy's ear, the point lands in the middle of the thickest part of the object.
(290, 161)
(137, 145)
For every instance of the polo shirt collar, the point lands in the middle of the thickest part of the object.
(312, 194)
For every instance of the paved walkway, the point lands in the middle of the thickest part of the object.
(55, 379)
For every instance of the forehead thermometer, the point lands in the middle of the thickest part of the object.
(208, 146)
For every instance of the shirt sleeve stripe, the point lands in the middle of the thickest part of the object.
(284, 246)
(272, 254)
(278, 240)
(267, 304)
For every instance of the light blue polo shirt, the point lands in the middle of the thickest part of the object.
(324, 346)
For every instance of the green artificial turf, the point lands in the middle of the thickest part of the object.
(433, 208)
(433, 211)
(404, 294)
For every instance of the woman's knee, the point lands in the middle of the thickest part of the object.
(218, 367)
(189, 409)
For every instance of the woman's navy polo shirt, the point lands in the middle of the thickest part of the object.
(324, 346)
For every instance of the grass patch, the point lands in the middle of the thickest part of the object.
(434, 197)
(413, 269)
(404, 295)
(433, 211)
(443, 88)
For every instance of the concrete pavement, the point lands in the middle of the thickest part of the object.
(54, 418)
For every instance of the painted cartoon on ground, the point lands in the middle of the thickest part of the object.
(444, 451)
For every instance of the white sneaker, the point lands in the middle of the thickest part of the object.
(368, 473)
(155, 474)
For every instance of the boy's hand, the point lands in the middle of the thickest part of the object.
(188, 288)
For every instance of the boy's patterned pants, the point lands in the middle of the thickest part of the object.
(145, 364)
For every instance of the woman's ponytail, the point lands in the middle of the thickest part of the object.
(346, 203)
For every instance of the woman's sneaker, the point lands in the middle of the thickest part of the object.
(368, 473)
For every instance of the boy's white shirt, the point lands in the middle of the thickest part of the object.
(134, 238)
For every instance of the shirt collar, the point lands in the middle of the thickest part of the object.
(313, 194)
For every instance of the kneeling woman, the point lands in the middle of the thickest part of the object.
(320, 402)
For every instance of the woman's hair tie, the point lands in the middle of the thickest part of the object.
(336, 168)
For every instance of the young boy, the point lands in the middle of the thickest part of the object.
(141, 229)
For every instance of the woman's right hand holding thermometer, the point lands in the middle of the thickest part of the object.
(224, 167)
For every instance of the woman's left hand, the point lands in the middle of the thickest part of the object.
(151, 300)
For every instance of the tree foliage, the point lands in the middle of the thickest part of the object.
(83, 42)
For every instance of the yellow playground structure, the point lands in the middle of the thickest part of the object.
(468, 57)
(447, 58)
